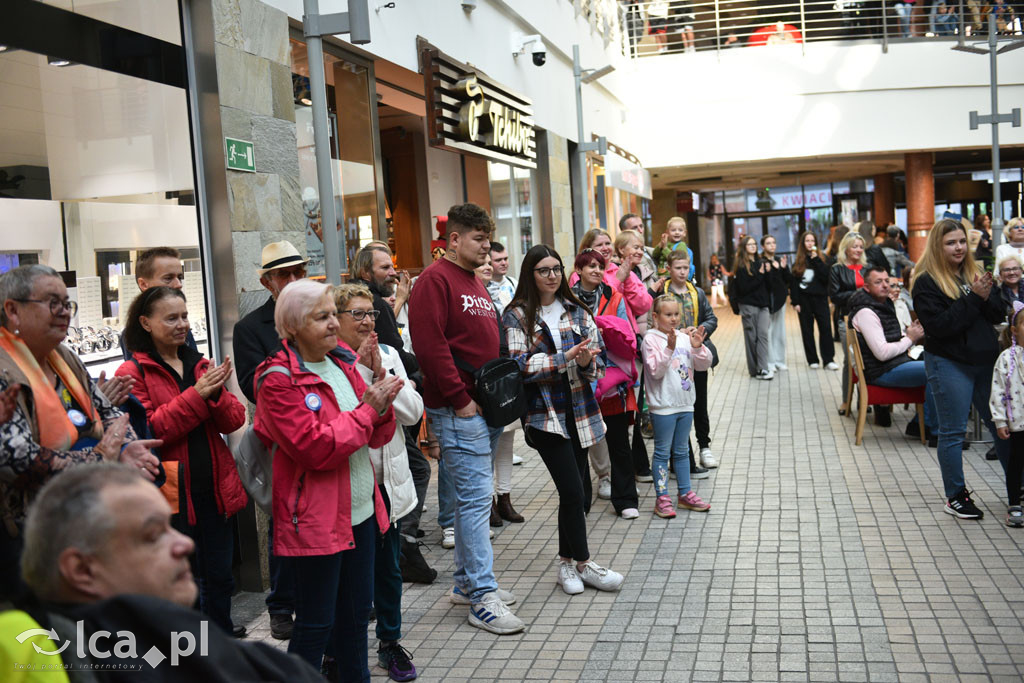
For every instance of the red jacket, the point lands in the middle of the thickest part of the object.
(173, 414)
(312, 501)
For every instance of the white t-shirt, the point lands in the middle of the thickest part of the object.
(551, 315)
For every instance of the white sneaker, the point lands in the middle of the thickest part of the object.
(568, 579)
(707, 459)
(766, 374)
(630, 513)
(600, 578)
(491, 534)
(832, 366)
(781, 366)
(448, 537)
(604, 488)
(517, 459)
(491, 614)
(644, 478)
(457, 597)
(815, 366)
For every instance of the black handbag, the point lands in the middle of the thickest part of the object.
(499, 386)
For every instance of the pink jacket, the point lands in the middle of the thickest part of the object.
(638, 301)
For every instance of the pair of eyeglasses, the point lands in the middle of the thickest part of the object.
(1010, 271)
(548, 271)
(358, 314)
(57, 307)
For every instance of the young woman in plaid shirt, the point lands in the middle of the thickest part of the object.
(553, 337)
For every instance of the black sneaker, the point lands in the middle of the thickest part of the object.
(962, 506)
(990, 454)
(414, 568)
(397, 661)
(281, 626)
(699, 472)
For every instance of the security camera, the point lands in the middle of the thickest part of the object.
(534, 45)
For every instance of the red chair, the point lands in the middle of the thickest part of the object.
(874, 395)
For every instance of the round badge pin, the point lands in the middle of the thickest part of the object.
(313, 402)
(77, 417)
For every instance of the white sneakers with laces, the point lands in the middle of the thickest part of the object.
(596, 576)
(491, 614)
(448, 537)
(568, 579)
(604, 488)
(708, 459)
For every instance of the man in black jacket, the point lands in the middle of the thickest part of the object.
(110, 576)
(885, 347)
(255, 339)
(373, 268)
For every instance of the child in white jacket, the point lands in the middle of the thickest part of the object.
(1006, 402)
(670, 395)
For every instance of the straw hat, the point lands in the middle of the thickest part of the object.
(280, 255)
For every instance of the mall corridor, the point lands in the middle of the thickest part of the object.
(818, 561)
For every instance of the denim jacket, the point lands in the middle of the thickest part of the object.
(543, 367)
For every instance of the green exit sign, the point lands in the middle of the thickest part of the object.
(240, 154)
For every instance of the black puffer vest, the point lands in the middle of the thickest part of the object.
(886, 312)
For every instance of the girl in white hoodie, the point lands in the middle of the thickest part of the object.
(671, 394)
(1006, 402)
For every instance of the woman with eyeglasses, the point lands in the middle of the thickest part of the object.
(1013, 233)
(60, 417)
(1008, 271)
(328, 510)
(555, 340)
(188, 408)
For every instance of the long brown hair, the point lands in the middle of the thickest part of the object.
(743, 259)
(838, 232)
(590, 236)
(802, 255)
(935, 263)
(528, 297)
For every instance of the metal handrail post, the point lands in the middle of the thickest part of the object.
(718, 31)
(885, 29)
(803, 29)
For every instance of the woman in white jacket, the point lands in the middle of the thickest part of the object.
(356, 318)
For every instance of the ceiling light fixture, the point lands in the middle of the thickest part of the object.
(58, 61)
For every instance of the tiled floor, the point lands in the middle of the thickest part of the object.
(819, 561)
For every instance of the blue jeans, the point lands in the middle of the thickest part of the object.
(445, 496)
(281, 598)
(333, 596)
(466, 447)
(955, 387)
(672, 436)
(912, 374)
(215, 550)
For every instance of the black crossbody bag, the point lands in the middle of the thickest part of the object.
(499, 386)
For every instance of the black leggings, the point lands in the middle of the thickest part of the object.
(621, 459)
(1014, 467)
(815, 309)
(567, 462)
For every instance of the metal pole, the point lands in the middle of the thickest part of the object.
(803, 28)
(997, 190)
(885, 29)
(322, 147)
(718, 30)
(582, 214)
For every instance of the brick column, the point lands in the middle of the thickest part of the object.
(920, 200)
(884, 209)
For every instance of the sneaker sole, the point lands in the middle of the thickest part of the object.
(665, 515)
(406, 677)
(709, 466)
(447, 546)
(701, 475)
(960, 515)
(570, 592)
(1015, 524)
(607, 589)
(692, 508)
(644, 479)
(490, 628)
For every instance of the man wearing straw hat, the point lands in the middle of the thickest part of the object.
(255, 339)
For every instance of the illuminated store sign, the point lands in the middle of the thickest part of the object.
(470, 113)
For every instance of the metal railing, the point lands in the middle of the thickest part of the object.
(653, 27)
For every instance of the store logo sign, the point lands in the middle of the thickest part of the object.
(492, 124)
(240, 154)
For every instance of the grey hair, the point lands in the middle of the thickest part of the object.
(363, 263)
(17, 283)
(296, 303)
(68, 513)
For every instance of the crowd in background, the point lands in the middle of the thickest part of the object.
(358, 388)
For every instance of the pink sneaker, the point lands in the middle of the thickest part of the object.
(691, 501)
(663, 507)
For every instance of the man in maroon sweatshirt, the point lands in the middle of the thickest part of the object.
(451, 315)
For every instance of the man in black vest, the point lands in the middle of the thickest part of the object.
(255, 339)
(884, 346)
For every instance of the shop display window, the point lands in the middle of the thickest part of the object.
(353, 153)
(513, 194)
(95, 166)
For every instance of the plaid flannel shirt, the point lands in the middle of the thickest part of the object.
(543, 370)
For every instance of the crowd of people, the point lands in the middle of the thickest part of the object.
(357, 388)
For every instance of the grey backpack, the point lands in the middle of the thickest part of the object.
(254, 462)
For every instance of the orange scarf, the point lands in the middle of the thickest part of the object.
(56, 431)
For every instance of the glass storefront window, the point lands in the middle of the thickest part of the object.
(512, 193)
(352, 150)
(95, 166)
